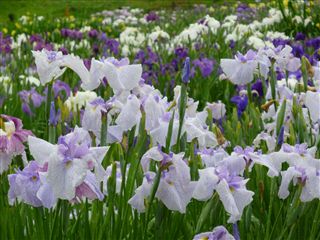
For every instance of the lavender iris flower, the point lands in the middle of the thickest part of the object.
(29, 186)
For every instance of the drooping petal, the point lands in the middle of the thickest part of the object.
(40, 149)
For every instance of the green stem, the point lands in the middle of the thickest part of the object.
(270, 208)
(103, 134)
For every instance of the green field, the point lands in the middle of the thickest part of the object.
(83, 8)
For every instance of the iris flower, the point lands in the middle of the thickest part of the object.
(12, 137)
(69, 162)
(241, 69)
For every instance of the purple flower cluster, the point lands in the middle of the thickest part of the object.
(30, 99)
(71, 33)
(40, 43)
(5, 43)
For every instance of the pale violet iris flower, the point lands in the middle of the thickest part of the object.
(283, 57)
(230, 187)
(303, 169)
(69, 162)
(218, 233)
(175, 188)
(120, 75)
(159, 134)
(196, 128)
(241, 69)
(49, 65)
(130, 114)
(90, 79)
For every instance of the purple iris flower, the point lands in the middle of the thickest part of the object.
(281, 136)
(113, 46)
(64, 32)
(181, 52)
(152, 16)
(95, 49)
(44, 45)
(186, 71)
(30, 97)
(54, 116)
(241, 102)
(280, 42)
(300, 36)
(297, 74)
(141, 56)
(150, 77)
(93, 33)
(297, 50)
(87, 63)
(59, 86)
(73, 34)
(232, 44)
(280, 74)
(35, 38)
(314, 42)
(205, 66)
(5, 43)
(257, 88)
(63, 50)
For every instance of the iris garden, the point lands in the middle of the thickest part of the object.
(180, 123)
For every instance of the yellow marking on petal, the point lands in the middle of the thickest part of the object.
(68, 164)
(34, 178)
